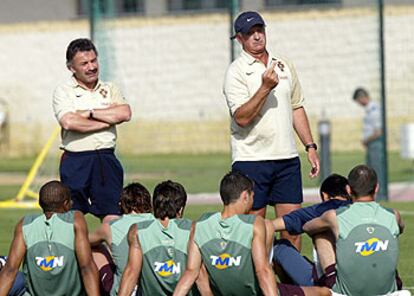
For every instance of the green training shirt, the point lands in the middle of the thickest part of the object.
(50, 265)
(164, 252)
(366, 250)
(119, 246)
(226, 250)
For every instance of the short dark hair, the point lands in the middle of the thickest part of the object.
(135, 197)
(362, 180)
(359, 93)
(232, 185)
(168, 199)
(335, 185)
(52, 196)
(81, 44)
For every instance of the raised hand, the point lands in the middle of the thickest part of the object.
(270, 79)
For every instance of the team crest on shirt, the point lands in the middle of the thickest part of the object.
(371, 246)
(370, 229)
(167, 268)
(281, 66)
(50, 262)
(103, 93)
(224, 261)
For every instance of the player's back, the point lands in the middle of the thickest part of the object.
(164, 251)
(225, 246)
(366, 250)
(50, 258)
(119, 246)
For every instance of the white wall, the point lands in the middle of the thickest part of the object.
(171, 69)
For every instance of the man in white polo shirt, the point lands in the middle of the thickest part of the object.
(88, 111)
(372, 135)
(265, 101)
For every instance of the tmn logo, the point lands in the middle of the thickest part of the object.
(49, 263)
(224, 261)
(371, 246)
(167, 268)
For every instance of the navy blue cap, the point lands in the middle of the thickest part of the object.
(245, 21)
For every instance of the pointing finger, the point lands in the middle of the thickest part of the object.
(272, 66)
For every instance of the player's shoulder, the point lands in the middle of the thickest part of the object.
(69, 216)
(183, 223)
(250, 218)
(206, 216)
(28, 219)
(145, 224)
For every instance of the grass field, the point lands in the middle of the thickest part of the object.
(202, 173)
(198, 172)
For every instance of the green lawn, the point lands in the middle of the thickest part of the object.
(200, 172)
(8, 219)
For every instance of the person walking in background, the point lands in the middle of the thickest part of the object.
(372, 136)
(88, 111)
(265, 100)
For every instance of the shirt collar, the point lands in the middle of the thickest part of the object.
(74, 83)
(251, 60)
(247, 57)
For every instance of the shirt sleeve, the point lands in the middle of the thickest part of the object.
(295, 220)
(62, 103)
(235, 90)
(297, 98)
(116, 95)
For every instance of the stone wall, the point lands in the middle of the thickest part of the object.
(171, 70)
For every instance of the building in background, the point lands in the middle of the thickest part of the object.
(15, 11)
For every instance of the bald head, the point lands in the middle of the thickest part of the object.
(363, 181)
(53, 195)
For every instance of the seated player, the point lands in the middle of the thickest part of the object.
(54, 247)
(289, 261)
(333, 193)
(365, 237)
(136, 206)
(232, 246)
(18, 288)
(158, 248)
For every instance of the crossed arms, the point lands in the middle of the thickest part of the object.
(80, 121)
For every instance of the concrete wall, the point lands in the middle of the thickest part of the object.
(17, 11)
(171, 70)
(13, 11)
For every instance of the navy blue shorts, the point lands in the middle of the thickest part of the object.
(95, 179)
(275, 181)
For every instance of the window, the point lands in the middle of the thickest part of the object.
(111, 7)
(272, 3)
(178, 5)
(133, 6)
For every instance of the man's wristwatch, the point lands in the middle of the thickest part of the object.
(311, 145)
(90, 113)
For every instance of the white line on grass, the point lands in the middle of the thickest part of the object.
(407, 213)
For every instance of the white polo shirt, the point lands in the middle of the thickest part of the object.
(70, 97)
(372, 119)
(271, 135)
